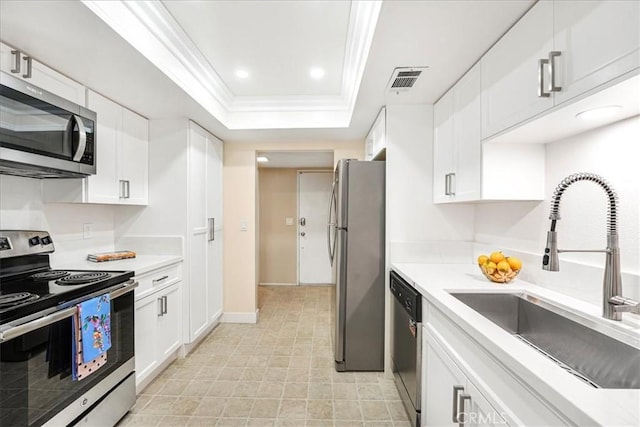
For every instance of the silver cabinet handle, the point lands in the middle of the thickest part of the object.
(121, 185)
(456, 390)
(446, 184)
(29, 64)
(160, 307)
(452, 184)
(552, 71)
(165, 309)
(82, 137)
(462, 415)
(330, 225)
(541, 93)
(18, 60)
(128, 188)
(155, 281)
(212, 231)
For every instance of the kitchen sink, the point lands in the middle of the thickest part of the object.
(592, 356)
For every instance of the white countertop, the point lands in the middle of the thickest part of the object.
(579, 401)
(141, 264)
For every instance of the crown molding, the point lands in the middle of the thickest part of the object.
(152, 30)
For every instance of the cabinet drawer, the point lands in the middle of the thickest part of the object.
(157, 279)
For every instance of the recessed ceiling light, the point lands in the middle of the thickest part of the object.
(262, 159)
(242, 74)
(600, 112)
(316, 73)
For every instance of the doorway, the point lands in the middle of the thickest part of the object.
(314, 192)
(278, 226)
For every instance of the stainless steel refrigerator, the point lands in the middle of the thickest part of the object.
(355, 239)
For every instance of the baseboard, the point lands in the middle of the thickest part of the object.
(239, 317)
(278, 284)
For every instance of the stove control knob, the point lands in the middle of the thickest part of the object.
(46, 240)
(34, 241)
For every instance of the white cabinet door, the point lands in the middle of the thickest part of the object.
(147, 312)
(510, 71)
(467, 136)
(133, 158)
(442, 148)
(198, 318)
(103, 187)
(479, 411)
(443, 382)
(214, 214)
(169, 323)
(41, 76)
(598, 41)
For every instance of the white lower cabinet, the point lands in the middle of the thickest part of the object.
(465, 385)
(158, 324)
(450, 398)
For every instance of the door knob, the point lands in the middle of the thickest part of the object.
(303, 221)
(303, 234)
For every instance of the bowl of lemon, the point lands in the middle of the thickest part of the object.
(499, 268)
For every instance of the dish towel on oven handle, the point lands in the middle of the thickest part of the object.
(92, 336)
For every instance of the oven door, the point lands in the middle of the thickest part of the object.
(41, 130)
(35, 366)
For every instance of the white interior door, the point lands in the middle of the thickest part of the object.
(314, 192)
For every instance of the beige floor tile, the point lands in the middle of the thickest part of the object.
(210, 407)
(320, 391)
(347, 410)
(295, 390)
(338, 423)
(174, 421)
(345, 391)
(297, 375)
(196, 421)
(145, 420)
(197, 388)
(271, 389)
(374, 411)
(222, 388)
(237, 408)
(320, 409)
(246, 389)
(208, 373)
(253, 374)
(265, 408)
(185, 405)
(369, 392)
(261, 422)
(173, 387)
(231, 373)
(396, 410)
(141, 402)
(231, 422)
(319, 423)
(279, 361)
(275, 374)
(160, 405)
(293, 408)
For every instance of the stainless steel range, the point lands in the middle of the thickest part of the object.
(36, 309)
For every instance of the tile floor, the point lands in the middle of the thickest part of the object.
(278, 372)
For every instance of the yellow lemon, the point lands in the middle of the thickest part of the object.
(496, 257)
(490, 267)
(504, 266)
(482, 259)
(514, 263)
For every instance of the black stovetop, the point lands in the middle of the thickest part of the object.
(42, 294)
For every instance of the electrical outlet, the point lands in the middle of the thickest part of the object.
(87, 230)
(244, 226)
(288, 221)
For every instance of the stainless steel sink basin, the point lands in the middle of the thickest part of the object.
(592, 356)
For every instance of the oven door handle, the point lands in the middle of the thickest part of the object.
(16, 331)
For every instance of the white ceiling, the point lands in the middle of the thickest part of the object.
(447, 36)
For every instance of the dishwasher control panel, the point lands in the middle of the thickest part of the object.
(407, 296)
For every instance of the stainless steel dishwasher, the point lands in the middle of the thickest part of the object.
(406, 344)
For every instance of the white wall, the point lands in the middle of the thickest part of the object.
(612, 152)
(22, 207)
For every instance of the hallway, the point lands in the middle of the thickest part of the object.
(278, 372)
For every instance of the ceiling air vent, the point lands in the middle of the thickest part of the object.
(403, 78)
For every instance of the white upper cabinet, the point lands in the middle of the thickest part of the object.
(557, 52)
(464, 169)
(22, 66)
(598, 40)
(375, 142)
(122, 157)
(511, 70)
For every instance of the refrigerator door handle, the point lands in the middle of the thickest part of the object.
(330, 225)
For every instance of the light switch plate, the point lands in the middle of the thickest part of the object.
(244, 226)
(87, 230)
(288, 221)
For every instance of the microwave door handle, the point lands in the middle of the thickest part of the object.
(82, 140)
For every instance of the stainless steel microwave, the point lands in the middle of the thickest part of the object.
(43, 135)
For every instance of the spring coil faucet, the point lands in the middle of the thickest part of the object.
(613, 303)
